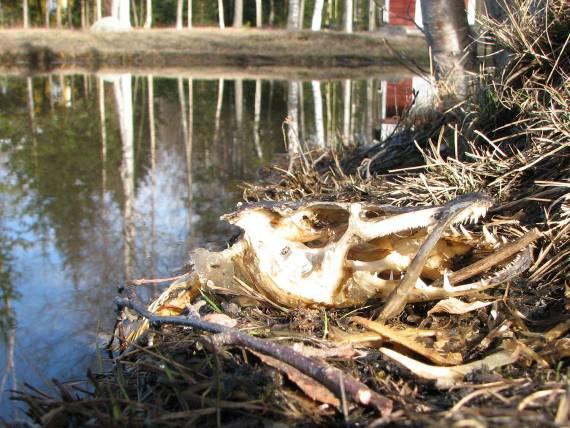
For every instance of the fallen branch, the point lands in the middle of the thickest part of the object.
(144, 281)
(332, 378)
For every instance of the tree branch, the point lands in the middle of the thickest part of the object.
(330, 377)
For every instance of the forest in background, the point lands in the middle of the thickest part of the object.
(366, 15)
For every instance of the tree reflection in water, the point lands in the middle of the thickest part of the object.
(107, 178)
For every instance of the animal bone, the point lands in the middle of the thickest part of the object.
(340, 254)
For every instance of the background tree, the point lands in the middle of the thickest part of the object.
(293, 15)
(221, 18)
(179, 15)
(238, 13)
(258, 14)
(189, 16)
(317, 15)
(348, 12)
(148, 20)
(448, 36)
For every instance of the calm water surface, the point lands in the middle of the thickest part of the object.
(108, 178)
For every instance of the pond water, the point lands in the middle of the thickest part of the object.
(113, 177)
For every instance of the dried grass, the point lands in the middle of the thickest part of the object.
(510, 139)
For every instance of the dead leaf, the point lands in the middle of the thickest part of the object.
(407, 339)
(457, 307)
(221, 319)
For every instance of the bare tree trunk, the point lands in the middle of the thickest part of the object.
(152, 135)
(182, 100)
(238, 13)
(238, 101)
(293, 144)
(135, 14)
(179, 15)
(319, 121)
(301, 14)
(99, 9)
(58, 14)
(221, 19)
(258, 14)
(371, 15)
(148, 20)
(124, 100)
(83, 17)
(271, 13)
(47, 15)
(31, 104)
(189, 14)
(302, 133)
(189, 144)
(348, 10)
(447, 34)
(26, 14)
(346, 103)
(370, 109)
(318, 15)
(257, 118)
(219, 104)
(101, 90)
(293, 16)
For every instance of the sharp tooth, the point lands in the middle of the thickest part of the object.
(489, 237)
(465, 232)
(391, 275)
(454, 231)
(446, 284)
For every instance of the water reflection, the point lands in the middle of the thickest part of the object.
(111, 177)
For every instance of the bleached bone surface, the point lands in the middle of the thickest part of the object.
(339, 254)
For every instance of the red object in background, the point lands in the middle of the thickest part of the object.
(402, 12)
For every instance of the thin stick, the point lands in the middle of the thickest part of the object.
(323, 373)
(144, 281)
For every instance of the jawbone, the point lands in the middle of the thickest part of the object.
(340, 254)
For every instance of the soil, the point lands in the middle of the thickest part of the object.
(244, 49)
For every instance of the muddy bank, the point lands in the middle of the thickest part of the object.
(50, 49)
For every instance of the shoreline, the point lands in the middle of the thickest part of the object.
(40, 50)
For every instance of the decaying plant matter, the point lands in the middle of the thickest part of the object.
(406, 302)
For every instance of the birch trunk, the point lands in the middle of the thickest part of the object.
(258, 14)
(293, 146)
(448, 36)
(26, 14)
(319, 121)
(58, 14)
(318, 15)
(238, 101)
(46, 16)
(257, 118)
(293, 16)
(179, 15)
(221, 19)
(348, 10)
(189, 15)
(371, 15)
(238, 13)
(148, 19)
(346, 103)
